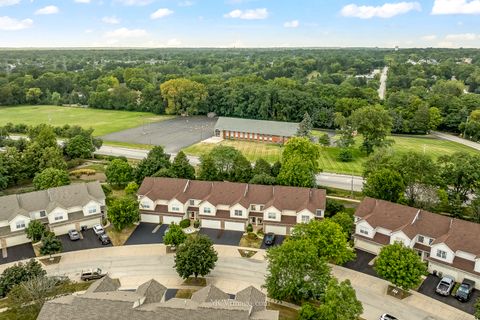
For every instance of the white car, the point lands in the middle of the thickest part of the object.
(98, 229)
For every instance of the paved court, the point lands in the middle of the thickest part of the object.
(174, 134)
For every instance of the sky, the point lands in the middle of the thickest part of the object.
(239, 23)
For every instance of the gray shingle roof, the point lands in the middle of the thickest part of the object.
(78, 194)
(127, 305)
(253, 297)
(105, 284)
(275, 128)
(152, 291)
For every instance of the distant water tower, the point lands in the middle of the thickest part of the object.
(396, 48)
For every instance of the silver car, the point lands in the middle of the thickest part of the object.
(98, 229)
(73, 235)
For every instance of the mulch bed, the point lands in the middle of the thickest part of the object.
(397, 292)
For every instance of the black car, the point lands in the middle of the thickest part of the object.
(465, 290)
(269, 238)
(104, 238)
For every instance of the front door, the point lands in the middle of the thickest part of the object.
(192, 215)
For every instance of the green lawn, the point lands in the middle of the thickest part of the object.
(329, 155)
(103, 121)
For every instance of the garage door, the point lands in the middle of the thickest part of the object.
(170, 219)
(150, 218)
(63, 229)
(281, 230)
(16, 240)
(213, 224)
(367, 246)
(237, 226)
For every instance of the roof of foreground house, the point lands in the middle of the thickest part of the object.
(455, 233)
(77, 194)
(147, 303)
(275, 128)
(231, 193)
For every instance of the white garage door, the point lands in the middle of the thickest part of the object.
(281, 230)
(237, 226)
(170, 219)
(63, 229)
(367, 246)
(150, 218)
(16, 240)
(213, 224)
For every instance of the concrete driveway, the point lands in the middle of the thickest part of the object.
(20, 252)
(428, 288)
(144, 234)
(361, 263)
(278, 241)
(225, 237)
(174, 134)
(89, 241)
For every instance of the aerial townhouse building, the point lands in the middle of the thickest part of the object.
(228, 205)
(450, 246)
(61, 209)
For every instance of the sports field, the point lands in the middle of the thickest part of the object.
(329, 155)
(103, 121)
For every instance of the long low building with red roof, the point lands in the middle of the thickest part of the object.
(229, 205)
(450, 246)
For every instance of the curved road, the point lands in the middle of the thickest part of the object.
(134, 265)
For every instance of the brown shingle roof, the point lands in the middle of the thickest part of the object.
(231, 193)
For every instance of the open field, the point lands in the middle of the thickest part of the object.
(103, 121)
(329, 155)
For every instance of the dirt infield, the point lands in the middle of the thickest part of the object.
(173, 134)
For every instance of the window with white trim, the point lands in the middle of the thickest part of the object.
(20, 224)
(305, 219)
(253, 207)
(430, 241)
(272, 215)
(175, 208)
(237, 213)
(262, 207)
(421, 239)
(364, 231)
(58, 217)
(207, 210)
(92, 209)
(441, 254)
(192, 202)
(43, 213)
(318, 212)
(144, 205)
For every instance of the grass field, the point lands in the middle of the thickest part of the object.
(329, 155)
(103, 121)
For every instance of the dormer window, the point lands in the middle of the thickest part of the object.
(207, 210)
(92, 209)
(43, 214)
(175, 208)
(192, 202)
(144, 205)
(421, 239)
(272, 215)
(430, 241)
(253, 207)
(318, 212)
(20, 224)
(262, 207)
(441, 254)
(238, 213)
(305, 219)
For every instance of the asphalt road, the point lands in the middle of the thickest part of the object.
(383, 83)
(450, 137)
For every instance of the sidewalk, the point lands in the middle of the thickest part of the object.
(450, 137)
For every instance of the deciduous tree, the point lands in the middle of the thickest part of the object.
(385, 184)
(19, 273)
(195, 257)
(50, 244)
(35, 230)
(119, 173)
(123, 212)
(181, 167)
(183, 96)
(374, 124)
(175, 236)
(51, 178)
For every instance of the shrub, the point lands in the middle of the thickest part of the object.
(18, 273)
(196, 224)
(333, 207)
(345, 155)
(131, 188)
(35, 230)
(74, 163)
(80, 172)
(185, 223)
(249, 228)
(107, 189)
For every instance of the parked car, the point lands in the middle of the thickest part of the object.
(92, 274)
(269, 238)
(465, 290)
(98, 229)
(73, 235)
(104, 239)
(445, 286)
(387, 316)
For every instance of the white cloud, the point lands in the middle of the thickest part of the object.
(461, 37)
(161, 13)
(429, 37)
(173, 42)
(6, 3)
(386, 10)
(47, 10)
(456, 7)
(126, 33)
(446, 44)
(291, 24)
(134, 2)
(111, 20)
(82, 1)
(88, 30)
(186, 3)
(250, 14)
(11, 24)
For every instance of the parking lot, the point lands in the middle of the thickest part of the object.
(143, 234)
(428, 288)
(361, 263)
(174, 134)
(219, 236)
(278, 241)
(20, 252)
(89, 241)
